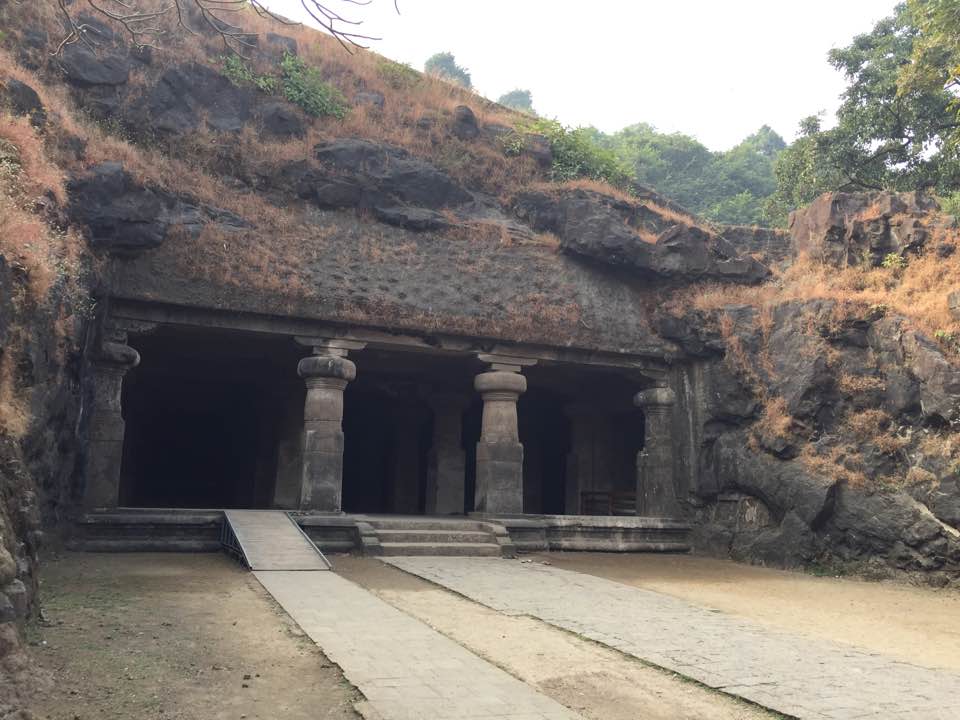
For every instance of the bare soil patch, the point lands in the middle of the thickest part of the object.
(914, 624)
(593, 680)
(174, 637)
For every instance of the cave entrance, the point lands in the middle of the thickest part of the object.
(581, 435)
(212, 420)
(391, 434)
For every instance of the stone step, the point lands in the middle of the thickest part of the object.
(434, 535)
(395, 549)
(427, 523)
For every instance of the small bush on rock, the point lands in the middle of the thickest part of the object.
(239, 73)
(303, 86)
(576, 155)
(399, 76)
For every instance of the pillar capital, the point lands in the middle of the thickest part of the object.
(116, 356)
(506, 363)
(500, 381)
(655, 397)
(332, 367)
(327, 346)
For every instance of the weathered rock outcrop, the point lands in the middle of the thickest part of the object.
(396, 187)
(772, 246)
(842, 229)
(123, 217)
(830, 428)
(636, 237)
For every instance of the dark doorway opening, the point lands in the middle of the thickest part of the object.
(388, 427)
(205, 416)
(545, 434)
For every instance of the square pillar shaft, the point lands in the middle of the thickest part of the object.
(405, 490)
(446, 461)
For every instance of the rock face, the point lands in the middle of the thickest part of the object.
(396, 187)
(859, 401)
(620, 233)
(124, 218)
(83, 67)
(23, 100)
(188, 93)
(464, 123)
(843, 229)
(772, 246)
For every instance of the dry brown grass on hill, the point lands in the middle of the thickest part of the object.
(38, 255)
(776, 421)
(481, 164)
(918, 291)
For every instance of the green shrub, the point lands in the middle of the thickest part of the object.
(950, 204)
(577, 155)
(399, 76)
(239, 73)
(894, 261)
(304, 86)
(947, 338)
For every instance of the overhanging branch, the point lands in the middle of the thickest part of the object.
(141, 20)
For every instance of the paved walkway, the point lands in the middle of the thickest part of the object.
(797, 676)
(271, 540)
(405, 669)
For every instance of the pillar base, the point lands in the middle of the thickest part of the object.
(322, 484)
(499, 477)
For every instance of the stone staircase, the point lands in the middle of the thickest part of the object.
(400, 536)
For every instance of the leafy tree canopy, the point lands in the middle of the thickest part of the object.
(897, 126)
(729, 187)
(518, 100)
(444, 65)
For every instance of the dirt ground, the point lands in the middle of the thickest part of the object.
(593, 680)
(176, 637)
(914, 624)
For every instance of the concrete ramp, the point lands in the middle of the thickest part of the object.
(269, 540)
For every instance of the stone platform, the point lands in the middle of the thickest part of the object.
(189, 530)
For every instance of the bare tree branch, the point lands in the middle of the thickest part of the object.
(140, 20)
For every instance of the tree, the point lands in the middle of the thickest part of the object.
(935, 58)
(444, 65)
(729, 187)
(518, 100)
(805, 169)
(896, 126)
(142, 20)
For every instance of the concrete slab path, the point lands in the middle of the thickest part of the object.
(405, 669)
(799, 677)
(271, 540)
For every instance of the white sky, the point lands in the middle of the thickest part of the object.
(717, 70)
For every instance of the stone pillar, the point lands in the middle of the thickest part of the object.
(326, 374)
(499, 452)
(656, 492)
(405, 490)
(106, 426)
(579, 458)
(446, 462)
